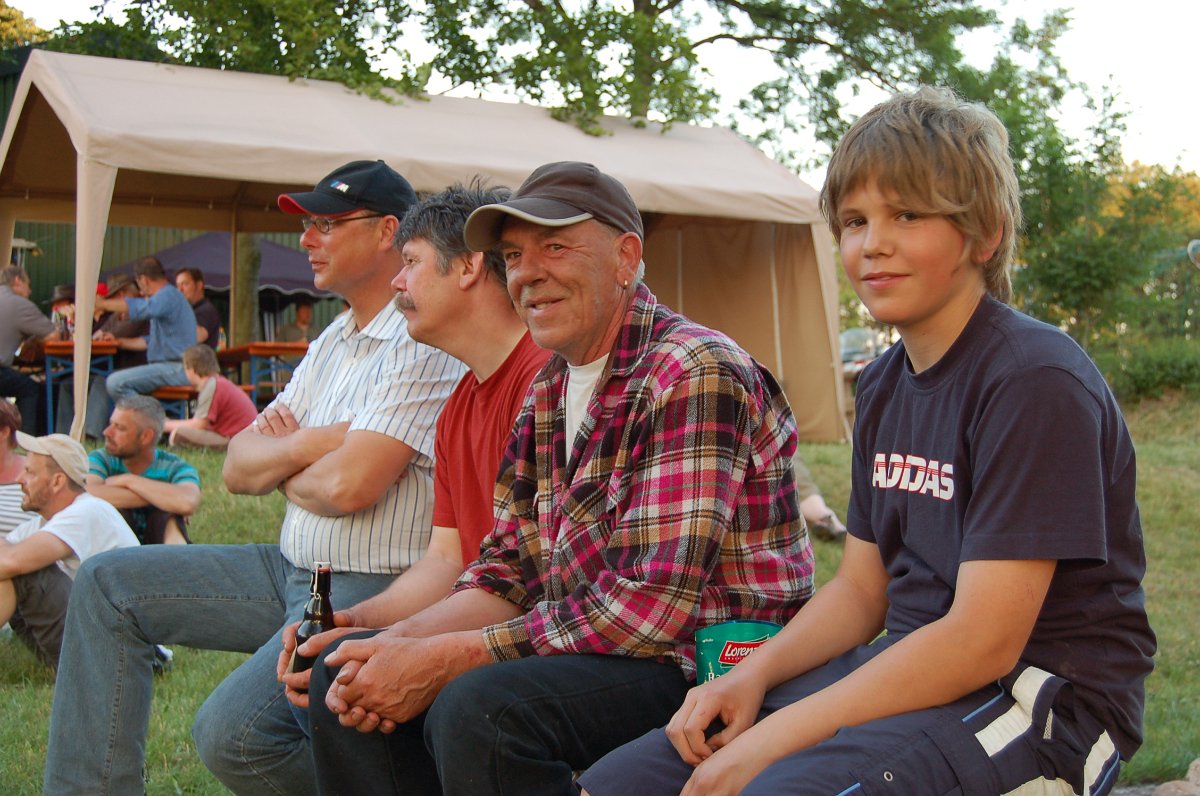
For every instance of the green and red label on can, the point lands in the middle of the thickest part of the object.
(720, 647)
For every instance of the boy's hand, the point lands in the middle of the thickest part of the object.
(727, 772)
(734, 700)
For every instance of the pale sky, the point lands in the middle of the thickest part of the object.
(1146, 51)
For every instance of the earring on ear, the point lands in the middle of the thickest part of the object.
(625, 284)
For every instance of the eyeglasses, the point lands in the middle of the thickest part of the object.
(325, 225)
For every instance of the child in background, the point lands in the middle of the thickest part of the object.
(222, 409)
(994, 535)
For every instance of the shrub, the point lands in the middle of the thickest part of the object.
(1150, 369)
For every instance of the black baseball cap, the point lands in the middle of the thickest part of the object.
(557, 195)
(360, 185)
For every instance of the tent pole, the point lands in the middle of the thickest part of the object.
(775, 320)
(232, 334)
(93, 200)
(8, 225)
(679, 268)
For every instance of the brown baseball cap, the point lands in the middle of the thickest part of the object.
(68, 454)
(118, 282)
(557, 195)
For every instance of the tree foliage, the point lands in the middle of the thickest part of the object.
(1094, 230)
(341, 41)
(16, 29)
(642, 60)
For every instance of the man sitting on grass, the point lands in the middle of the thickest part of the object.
(222, 408)
(39, 558)
(155, 490)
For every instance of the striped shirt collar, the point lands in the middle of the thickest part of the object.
(382, 327)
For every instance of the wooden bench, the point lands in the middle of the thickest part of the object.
(177, 399)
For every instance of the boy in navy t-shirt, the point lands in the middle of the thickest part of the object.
(993, 528)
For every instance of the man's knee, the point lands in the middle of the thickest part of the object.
(221, 742)
(115, 385)
(103, 582)
(474, 707)
(89, 577)
(211, 734)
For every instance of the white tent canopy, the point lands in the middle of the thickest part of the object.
(734, 240)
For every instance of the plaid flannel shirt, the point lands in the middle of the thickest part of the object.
(676, 508)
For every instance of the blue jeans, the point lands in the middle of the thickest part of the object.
(27, 394)
(96, 414)
(227, 597)
(514, 727)
(144, 379)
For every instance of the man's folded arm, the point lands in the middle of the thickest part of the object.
(256, 463)
(352, 477)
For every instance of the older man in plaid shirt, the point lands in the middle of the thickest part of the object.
(646, 491)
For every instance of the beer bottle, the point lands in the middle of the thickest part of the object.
(318, 615)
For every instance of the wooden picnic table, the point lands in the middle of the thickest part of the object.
(60, 365)
(268, 361)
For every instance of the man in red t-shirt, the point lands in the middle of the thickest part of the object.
(456, 300)
(222, 408)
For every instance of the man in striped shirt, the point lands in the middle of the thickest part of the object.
(350, 443)
(449, 293)
(646, 491)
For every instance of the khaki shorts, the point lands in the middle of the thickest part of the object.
(42, 598)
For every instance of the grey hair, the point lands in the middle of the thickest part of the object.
(148, 408)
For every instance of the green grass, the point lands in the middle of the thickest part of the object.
(26, 687)
(1167, 433)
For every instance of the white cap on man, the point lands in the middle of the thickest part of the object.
(68, 454)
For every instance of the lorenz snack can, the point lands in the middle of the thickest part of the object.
(719, 647)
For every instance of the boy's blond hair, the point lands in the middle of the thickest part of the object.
(201, 359)
(939, 154)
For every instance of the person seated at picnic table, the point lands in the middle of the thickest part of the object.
(646, 491)
(39, 558)
(301, 328)
(222, 407)
(117, 326)
(986, 630)
(155, 490)
(22, 324)
(11, 465)
(190, 282)
(172, 329)
(62, 310)
(112, 327)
